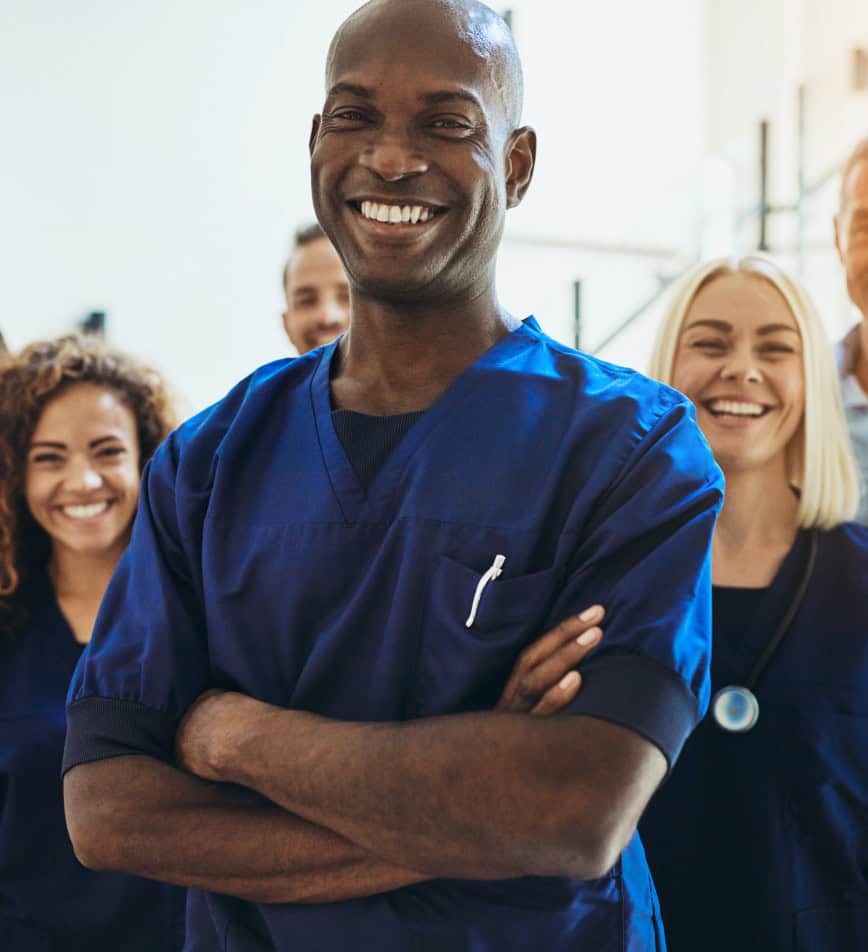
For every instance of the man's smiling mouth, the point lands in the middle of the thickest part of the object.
(396, 214)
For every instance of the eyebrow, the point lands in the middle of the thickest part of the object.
(451, 95)
(104, 439)
(52, 444)
(363, 92)
(431, 99)
(716, 325)
(726, 327)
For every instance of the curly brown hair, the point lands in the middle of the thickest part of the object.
(28, 383)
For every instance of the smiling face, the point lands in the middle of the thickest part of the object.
(851, 231)
(414, 159)
(739, 360)
(317, 296)
(82, 475)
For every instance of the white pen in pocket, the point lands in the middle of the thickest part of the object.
(490, 574)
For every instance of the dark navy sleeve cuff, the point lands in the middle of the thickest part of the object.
(99, 728)
(641, 695)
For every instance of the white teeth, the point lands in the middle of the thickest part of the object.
(395, 214)
(86, 512)
(736, 408)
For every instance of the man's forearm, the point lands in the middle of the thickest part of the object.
(478, 795)
(140, 816)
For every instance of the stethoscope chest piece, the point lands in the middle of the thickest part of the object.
(735, 709)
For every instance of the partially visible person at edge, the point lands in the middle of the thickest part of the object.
(287, 704)
(77, 423)
(851, 238)
(317, 291)
(759, 839)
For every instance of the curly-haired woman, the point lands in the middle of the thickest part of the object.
(77, 424)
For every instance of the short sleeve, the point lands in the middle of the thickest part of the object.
(645, 554)
(147, 660)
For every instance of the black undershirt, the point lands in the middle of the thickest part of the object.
(368, 440)
(733, 611)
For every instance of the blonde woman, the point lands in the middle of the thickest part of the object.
(759, 840)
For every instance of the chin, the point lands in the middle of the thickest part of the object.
(740, 460)
(96, 544)
(398, 274)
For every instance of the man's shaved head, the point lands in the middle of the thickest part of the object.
(859, 154)
(472, 23)
(418, 153)
(851, 225)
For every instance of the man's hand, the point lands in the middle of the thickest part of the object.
(544, 679)
(207, 728)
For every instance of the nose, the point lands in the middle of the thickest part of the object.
(392, 158)
(741, 365)
(83, 477)
(334, 314)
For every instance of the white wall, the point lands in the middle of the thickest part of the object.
(759, 54)
(154, 164)
(617, 94)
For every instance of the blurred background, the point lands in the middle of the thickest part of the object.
(154, 164)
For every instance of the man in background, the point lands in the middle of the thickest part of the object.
(317, 293)
(851, 238)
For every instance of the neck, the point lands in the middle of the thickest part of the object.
(82, 577)
(757, 510)
(757, 526)
(861, 369)
(397, 358)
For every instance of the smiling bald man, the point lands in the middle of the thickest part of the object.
(290, 703)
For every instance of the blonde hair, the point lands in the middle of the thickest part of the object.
(821, 461)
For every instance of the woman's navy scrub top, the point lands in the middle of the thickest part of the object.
(760, 840)
(48, 902)
(259, 563)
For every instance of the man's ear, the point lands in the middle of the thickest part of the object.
(285, 318)
(314, 130)
(836, 221)
(520, 162)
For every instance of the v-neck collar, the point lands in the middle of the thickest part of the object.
(349, 491)
(46, 611)
(739, 657)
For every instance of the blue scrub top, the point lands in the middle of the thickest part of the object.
(760, 840)
(259, 563)
(48, 902)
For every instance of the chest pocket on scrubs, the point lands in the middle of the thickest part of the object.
(827, 758)
(835, 928)
(465, 668)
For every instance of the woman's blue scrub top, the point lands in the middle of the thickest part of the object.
(760, 840)
(48, 902)
(259, 563)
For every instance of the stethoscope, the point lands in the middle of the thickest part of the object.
(735, 708)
